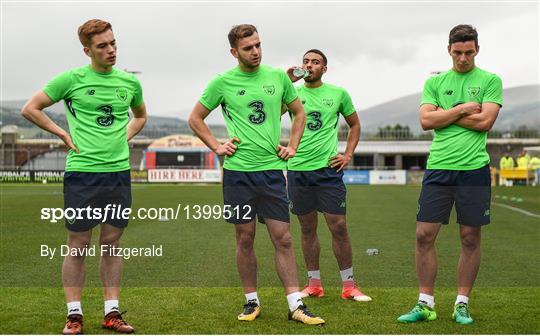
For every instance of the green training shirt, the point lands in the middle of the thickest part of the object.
(455, 147)
(97, 106)
(319, 143)
(251, 104)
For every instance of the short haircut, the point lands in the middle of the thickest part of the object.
(239, 32)
(463, 33)
(91, 28)
(318, 52)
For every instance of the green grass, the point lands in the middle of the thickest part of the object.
(193, 287)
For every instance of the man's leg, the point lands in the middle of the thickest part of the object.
(340, 240)
(246, 263)
(469, 259)
(310, 242)
(311, 250)
(284, 257)
(426, 269)
(73, 274)
(341, 245)
(110, 271)
(303, 203)
(287, 272)
(110, 267)
(469, 263)
(246, 260)
(73, 268)
(426, 256)
(473, 201)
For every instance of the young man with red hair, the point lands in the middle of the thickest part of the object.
(97, 99)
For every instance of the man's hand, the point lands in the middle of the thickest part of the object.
(66, 138)
(228, 148)
(340, 161)
(286, 152)
(292, 77)
(470, 108)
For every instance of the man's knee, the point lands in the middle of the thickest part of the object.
(78, 243)
(425, 238)
(338, 228)
(245, 239)
(283, 241)
(470, 239)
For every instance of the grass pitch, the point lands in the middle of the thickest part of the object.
(193, 287)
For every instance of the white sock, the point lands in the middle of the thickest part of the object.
(314, 274)
(252, 297)
(74, 307)
(346, 275)
(110, 306)
(429, 300)
(462, 299)
(294, 300)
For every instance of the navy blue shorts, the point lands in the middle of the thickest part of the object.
(317, 190)
(255, 194)
(470, 190)
(96, 190)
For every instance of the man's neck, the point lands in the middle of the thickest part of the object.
(464, 72)
(313, 85)
(100, 68)
(247, 69)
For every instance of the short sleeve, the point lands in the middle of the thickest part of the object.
(429, 94)
(289, 91)
(137, 94)
(58, 87)
(493, 93)
(212, 96)
(346, 105)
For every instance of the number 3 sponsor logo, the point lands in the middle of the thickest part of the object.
(315, 123)
(258, 116)
(107, 119)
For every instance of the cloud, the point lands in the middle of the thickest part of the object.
(378, 51)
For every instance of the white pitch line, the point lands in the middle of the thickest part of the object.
(525, 212)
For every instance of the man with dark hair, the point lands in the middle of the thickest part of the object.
(250, 96)
(315, 173)
(461, 105)
(97, 99)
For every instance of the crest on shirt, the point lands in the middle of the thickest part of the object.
(473, 91)
(328, 102)
(122, 94)
(269, 89)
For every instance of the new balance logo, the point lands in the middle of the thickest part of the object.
(90, 92)
(74, 310)
(350, 277)
(487, 212)
(241, 92)
(448, 92)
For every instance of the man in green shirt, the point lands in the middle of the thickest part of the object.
(97, 99)
(250, 96)
(315, 173)
(461, 105)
